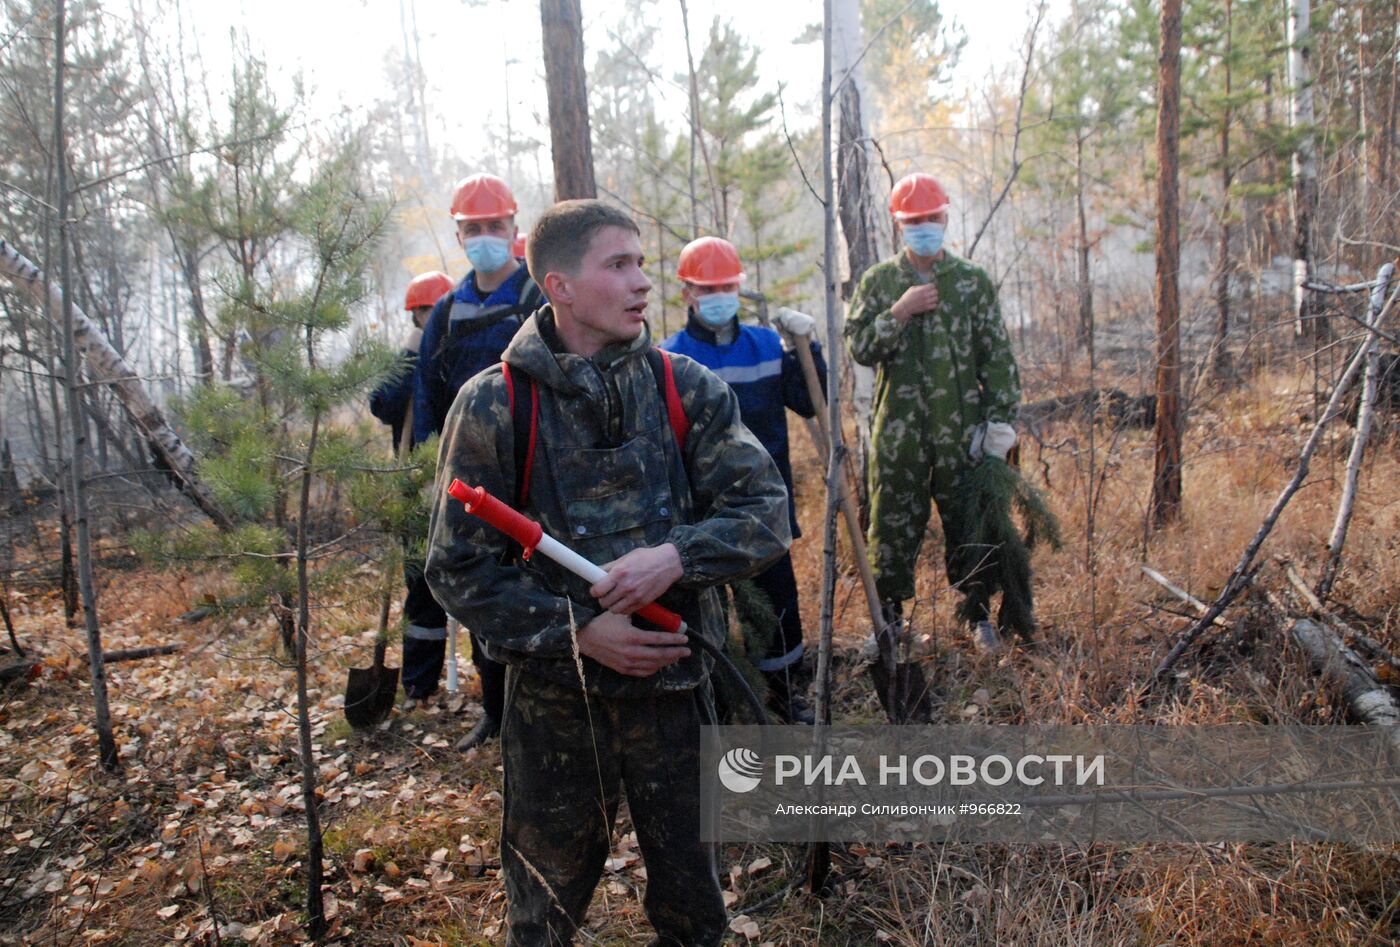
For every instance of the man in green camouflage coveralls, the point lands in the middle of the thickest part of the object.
(595, 704)
(946, 391)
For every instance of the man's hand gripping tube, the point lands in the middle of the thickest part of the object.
(531, 536)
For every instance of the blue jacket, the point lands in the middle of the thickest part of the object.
(764, 377)
(465, 334)
(389, 402)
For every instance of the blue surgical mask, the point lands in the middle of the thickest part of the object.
(924, 239)
(715, 309)
(487, 253)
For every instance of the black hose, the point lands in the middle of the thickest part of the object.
(760, 713)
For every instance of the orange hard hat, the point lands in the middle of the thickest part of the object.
(426, 289)
(710, 261)
(482, 197)
(517, 249)
(917, 194)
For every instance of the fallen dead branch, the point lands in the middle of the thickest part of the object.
(1200, 607)
(1244, 571)
(1118, 407)
(1374, 651)
(28, 668)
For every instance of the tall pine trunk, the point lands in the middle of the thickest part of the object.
(566, 85)
(1166, 474)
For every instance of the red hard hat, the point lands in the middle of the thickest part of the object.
(710, 261)
(482, 197)
(517, 249)
(917, 194)
(426, 289)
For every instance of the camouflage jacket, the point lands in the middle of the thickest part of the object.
(946, 370)
(607, 477)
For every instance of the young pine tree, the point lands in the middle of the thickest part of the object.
(271, 447)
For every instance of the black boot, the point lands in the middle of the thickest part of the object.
(487, 728)
(785, 698)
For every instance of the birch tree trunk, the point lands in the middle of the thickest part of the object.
(76, 429)
(1306, 322)
(105, 366)
(1166, 475)
(1363, 431)
(566, 84)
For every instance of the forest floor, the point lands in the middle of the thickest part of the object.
(203, 822)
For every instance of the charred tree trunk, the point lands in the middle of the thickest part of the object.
(1086, 286)
(855, 191)
(1166, 475)
(566, 83)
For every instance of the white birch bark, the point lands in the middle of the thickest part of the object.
(1363, 431)
(106, 366)
(1304, 155)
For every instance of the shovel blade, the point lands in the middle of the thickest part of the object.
(905, 698)
(369, 695)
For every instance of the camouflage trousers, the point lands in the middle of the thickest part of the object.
(904, 476)
(567, 755)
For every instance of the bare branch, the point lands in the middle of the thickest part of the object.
(1016, 164)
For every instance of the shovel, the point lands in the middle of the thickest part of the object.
(900, 685)
(370, 692)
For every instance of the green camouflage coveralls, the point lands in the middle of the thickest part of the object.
(936, 378)
(607, 477)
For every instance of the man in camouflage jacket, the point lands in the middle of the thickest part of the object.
(945, 377)
(593, 701)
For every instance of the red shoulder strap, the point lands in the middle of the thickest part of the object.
(526, 416)
(680, 424)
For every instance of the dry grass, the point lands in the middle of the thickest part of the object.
(1104, 627)
(409, 808)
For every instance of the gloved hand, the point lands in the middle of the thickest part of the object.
(793, 322)
(414, 340)
(992, 439)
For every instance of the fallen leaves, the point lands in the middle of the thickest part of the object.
(745, 926)
(208, 808)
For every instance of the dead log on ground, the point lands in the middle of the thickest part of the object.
(29, 668)
(1364, 644)
(1367, 699)
(1244, 571)
(1117, 407)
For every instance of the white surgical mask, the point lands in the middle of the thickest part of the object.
(487, 253)
(715, 309)
(924, 239)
